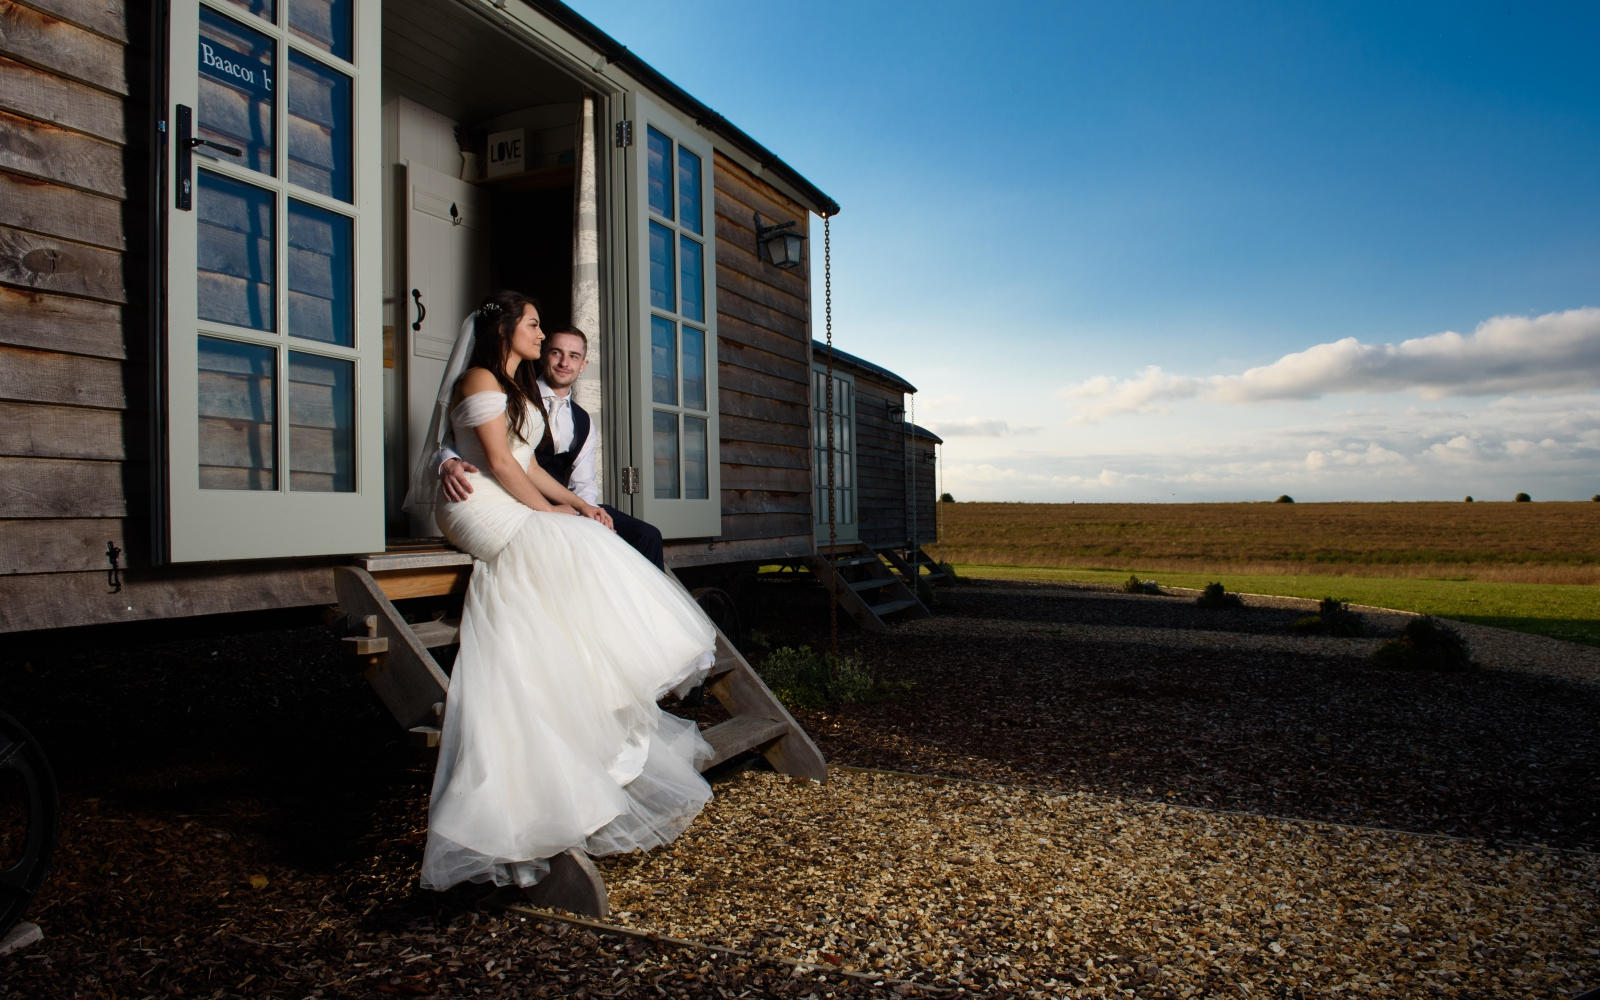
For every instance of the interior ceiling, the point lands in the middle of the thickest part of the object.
(449, 57)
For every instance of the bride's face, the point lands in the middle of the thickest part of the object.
(526, 336)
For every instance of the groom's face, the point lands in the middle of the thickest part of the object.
(564, 360)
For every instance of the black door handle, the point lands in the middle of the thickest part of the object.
(183, 190)
(224, 147)
(422, 311)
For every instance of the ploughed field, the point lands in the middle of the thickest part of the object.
(1543, 543)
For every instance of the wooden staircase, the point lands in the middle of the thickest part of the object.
(910, 561)
(863, 586)
(398, 661)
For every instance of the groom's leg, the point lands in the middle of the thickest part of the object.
(642, 535)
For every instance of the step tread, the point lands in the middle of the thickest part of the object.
(434, 634)
(738, 734)
(890, 607)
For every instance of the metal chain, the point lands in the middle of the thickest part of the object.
(833, 531)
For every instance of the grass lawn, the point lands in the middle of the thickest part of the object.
(1562, 611)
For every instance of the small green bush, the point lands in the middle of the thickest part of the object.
(947, 569)
(1469, 499)
(1214, 596)
(1333, 617)
(1134, 585)
(946, 498)
(1284, 498)
(1522, 498)
(1596, 498)
(804, 678)
(1426, 644)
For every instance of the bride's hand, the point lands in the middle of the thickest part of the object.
(598, 514)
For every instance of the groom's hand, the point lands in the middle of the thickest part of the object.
(453, 478)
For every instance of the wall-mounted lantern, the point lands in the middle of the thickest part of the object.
(779, 245)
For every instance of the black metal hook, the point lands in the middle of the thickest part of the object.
(114, 574)
(422, 311)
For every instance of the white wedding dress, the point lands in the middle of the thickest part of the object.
(552, 737)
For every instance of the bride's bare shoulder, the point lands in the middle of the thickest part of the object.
(475, 380)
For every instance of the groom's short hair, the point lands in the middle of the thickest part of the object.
(574, 331)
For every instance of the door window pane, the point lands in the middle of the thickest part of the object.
(238, 407)
(324, 23)
(694, 289)
(235, 232)
(689, 190)
(659, 173)
(322, 422)
(694, 368)
(267, 10)
(237, 74)
(319, 128)
(665, 439)
(321, 276)
(663, 361)
(696, 471)
(662, 293)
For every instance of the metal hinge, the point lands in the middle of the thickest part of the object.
(630, 480)
(624, 134)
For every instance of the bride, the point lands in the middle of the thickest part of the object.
(552, 737)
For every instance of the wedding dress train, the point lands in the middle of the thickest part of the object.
(552, 737)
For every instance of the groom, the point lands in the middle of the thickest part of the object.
(567, 452)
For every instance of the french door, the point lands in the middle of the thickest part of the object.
(672, 244)
(274, 337)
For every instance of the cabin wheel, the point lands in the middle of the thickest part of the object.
(720, 607)
(28, 819)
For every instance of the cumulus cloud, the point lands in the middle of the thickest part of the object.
(976, 427)
(1507, 354)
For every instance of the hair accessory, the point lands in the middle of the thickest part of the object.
(490, 310)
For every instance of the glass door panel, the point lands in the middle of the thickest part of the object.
(274, 353)
(842, 419)
(676, 349)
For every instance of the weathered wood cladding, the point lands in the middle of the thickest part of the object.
(75, 280)
(763, 373)
(895, 470)
(925, 482)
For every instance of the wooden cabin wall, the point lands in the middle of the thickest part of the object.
(880, 462)
(764, 383)
(925, 491)
(77, 273)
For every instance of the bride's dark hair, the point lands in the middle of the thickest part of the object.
(498, 316)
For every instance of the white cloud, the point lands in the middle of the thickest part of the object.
(1507, 354)
(976, 427)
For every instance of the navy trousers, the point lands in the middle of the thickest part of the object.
(642, 535)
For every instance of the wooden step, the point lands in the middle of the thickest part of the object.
(724, 664)
(848, 561)
(424, 736)
(738, 734)
(890, 607)
(434, 634)
(875, 583)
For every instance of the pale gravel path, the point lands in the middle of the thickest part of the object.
(1049, 891)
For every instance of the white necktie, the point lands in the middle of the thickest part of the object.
(560, 429)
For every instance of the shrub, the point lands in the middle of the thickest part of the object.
(1522, 498)
(1333, 617)
(804, 678)
(946, 498)
(1596, 498)
(1134, 585)
(1214, 596)
(1425, 645)
(1284, 498)
(1469, 499)
(947, 569)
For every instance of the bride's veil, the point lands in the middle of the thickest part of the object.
(423, 493)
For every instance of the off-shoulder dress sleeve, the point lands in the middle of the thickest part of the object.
(478, 408)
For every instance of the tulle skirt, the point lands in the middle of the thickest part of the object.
(552, 737)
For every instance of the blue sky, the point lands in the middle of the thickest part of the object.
(1196, 251)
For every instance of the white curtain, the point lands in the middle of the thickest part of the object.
(586, 269)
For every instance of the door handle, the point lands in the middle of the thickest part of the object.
(184, 188)
(422, 310)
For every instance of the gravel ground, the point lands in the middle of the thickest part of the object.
(1111, 795)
